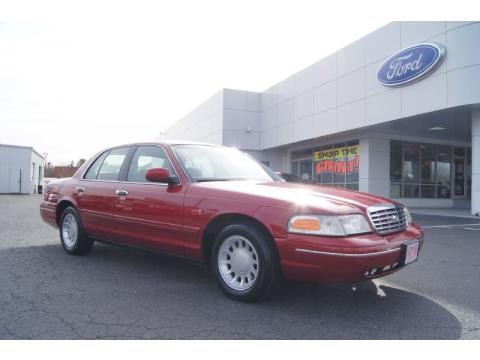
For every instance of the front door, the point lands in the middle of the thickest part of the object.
(150, 215)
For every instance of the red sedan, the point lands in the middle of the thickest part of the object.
(220, 206)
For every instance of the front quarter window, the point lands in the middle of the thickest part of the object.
(217, 163)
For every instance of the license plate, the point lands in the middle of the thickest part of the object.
(411, 252)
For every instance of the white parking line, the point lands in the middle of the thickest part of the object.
(468, 228)
(449, 226)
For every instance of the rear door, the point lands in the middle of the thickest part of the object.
(148, 214)
(95, 193)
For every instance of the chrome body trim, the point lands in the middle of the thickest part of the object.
(349, 254)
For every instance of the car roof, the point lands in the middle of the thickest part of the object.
(165, 142)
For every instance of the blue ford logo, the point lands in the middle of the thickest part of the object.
(410, 64)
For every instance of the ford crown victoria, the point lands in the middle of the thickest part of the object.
(220, 206)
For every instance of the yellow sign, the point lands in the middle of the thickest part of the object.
(337, 153)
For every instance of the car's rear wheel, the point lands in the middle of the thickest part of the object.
(245, 262)
(73, 237)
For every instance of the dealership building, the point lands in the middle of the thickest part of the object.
(396, 113)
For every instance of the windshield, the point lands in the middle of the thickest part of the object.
(216, 163)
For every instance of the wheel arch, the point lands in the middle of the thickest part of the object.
(61, 206)
(221, 221)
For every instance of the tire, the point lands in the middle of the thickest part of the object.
(72, 235)
(245, 263)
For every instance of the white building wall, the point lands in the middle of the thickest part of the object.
(204, 123)
(374, 167)
(241, 119)
(15, 169)
(38, 170)
(341, 92)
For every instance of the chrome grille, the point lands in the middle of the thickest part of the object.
(387, 218)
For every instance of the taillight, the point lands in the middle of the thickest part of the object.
(49, 195)
(52, 197)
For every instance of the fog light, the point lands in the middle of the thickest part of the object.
(373, 272)
(386, 268)
(367, 273)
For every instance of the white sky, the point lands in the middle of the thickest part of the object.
(76, 77)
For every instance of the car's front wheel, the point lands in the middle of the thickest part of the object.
(73, 237)
(245, 262)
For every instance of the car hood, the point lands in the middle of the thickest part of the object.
(305, 197)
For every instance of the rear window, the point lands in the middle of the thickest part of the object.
(112, 164)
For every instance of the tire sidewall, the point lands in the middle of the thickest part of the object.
(265, 255)
(71, 210)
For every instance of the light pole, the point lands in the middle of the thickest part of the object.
(45, 154)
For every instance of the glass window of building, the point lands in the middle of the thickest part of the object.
(396, 160)
(411, 163)
(294, 169)
(427, 170)
(353, 164)
(305, 170)
(339, 165)
(468, 173)
(330, 165)
(444, 179)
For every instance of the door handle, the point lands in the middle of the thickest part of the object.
(80, 189)
(121, 192)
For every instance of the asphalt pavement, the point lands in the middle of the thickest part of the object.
(119, 293)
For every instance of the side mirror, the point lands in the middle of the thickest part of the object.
(161, 175)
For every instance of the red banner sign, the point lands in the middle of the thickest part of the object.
(338, 166)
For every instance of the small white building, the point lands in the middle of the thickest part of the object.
(21, 169)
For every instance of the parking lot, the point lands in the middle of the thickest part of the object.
(118, 293)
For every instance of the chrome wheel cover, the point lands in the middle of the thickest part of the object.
(238, 262)
(69, 231)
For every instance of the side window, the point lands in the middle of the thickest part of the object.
(147, 157)
(113, 162)
(93, 170)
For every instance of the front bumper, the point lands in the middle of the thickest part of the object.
(349, 259)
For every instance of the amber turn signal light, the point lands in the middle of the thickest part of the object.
(305, 224)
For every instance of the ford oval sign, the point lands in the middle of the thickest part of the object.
(410, 64)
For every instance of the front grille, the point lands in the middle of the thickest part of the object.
(387, 218)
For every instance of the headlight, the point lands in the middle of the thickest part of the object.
(408, 217)
(341, 225)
